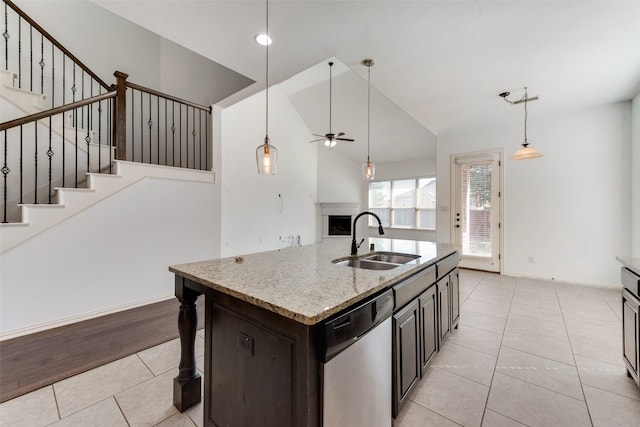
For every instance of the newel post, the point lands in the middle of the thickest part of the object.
(120, 116)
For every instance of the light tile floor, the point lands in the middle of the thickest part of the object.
(527, 352)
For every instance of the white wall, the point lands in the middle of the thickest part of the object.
(635, 177)
(112, 256)
(258, 209)
(570, 209)
(106, 43)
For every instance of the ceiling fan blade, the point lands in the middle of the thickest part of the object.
(321, 136)
(317, 140)
(341, 134)
(345, 139)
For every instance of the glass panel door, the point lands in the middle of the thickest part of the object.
(477, 211)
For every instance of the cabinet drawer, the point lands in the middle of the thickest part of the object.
(410, 288)
(446, 265)
(631, 281)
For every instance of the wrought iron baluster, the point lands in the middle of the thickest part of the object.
(180, 135)
(141, 127)
(173, 133)
(19, 52)
(50, 155)
(200, 139)
(206, 140)
(186, 134)
(82, 97)
(41, 63)
(21, 167)
(150, 123)
(35, 181)
(133, 140)
(109, 135)
(31, 57)
(53, 77)
(6, 56)
(75, 114)
(64, 145)
(166, 134)
(158, 128)
(100, 135)
(5, 171)
(193, 133)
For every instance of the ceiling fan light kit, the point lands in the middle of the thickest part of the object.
(331, 139)
(525, 152)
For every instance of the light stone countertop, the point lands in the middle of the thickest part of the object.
(302, 283)
(630, 263)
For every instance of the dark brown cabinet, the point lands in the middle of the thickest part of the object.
(427, 308)
(428, 327)
(454, 283)
(631, 334)
(406, 356)
(444, 321)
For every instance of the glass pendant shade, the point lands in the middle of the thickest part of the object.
(368, 170)
(526, 153)
(330, 143)
(267, 158)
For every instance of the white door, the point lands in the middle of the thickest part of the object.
(476, 210)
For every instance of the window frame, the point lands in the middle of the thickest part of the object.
(416, 209)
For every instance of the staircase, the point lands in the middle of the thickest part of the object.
(101, 186)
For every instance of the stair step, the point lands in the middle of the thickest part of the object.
(71, 195)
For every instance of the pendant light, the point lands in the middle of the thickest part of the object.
(267, 154)
(525, 152)
(368, 167)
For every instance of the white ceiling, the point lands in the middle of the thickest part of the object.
(441, 62)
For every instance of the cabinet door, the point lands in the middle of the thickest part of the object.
(250, 373)
(443, 308)
(428, 327)
(405, 354)
(630, 332)
(454, 283)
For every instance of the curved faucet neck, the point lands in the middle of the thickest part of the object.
(354, 244)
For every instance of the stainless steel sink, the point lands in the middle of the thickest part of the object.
(366, 264)
(392, 257)
(377, 260)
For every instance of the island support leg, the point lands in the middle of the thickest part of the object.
(186, 386)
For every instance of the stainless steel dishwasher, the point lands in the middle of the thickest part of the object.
(357, 365)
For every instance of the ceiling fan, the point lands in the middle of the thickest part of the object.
(331, 139)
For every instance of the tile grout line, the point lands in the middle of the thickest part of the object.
(573, 356)
(498, 356)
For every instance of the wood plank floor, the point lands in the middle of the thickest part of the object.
(33, 361)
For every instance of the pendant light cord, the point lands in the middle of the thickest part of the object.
(267, 79)
(330, 90)
(526, 98)
(368, 110)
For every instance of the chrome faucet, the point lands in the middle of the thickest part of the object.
(354, 245)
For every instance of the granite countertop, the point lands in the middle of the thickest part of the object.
(630, 263)
(302, 283)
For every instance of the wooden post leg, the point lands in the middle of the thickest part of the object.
(186, 386)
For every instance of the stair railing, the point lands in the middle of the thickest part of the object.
(43, 65)
(67, 151)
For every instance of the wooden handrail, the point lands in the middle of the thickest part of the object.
(56, 43)
(169, 97)
(58, 110)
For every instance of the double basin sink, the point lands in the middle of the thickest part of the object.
(377, 260)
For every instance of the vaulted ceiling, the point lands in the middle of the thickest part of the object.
(441, 64)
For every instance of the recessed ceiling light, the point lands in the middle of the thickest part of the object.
(263, 39)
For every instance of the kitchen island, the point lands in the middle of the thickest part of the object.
(263, 312)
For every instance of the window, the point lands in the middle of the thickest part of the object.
(406, 203)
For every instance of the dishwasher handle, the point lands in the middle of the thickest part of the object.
(341, 332)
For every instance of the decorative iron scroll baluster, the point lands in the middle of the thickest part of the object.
(193, 133)
(99, 135)
(200, 140)
(186, 135)
(5, 171)
(173, 133)
(141, 127)
(133, 138)
(50, 155)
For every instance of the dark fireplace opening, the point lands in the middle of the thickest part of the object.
(339, 225)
